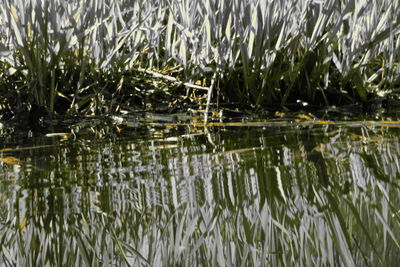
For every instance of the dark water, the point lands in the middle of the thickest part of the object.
(295, 191)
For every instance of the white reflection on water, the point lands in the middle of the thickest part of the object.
(320, 196)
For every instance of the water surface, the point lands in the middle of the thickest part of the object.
(295, 190)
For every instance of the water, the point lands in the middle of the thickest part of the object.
(164, 192)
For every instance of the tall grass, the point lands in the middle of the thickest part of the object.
(82, 53)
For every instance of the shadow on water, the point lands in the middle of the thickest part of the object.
(275, 192)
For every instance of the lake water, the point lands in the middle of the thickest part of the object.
(166, 191)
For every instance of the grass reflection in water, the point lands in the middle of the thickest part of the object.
(306, 195)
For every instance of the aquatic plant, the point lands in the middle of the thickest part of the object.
(81, 55)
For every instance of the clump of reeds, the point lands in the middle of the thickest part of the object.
(77, 56)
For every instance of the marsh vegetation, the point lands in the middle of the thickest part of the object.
(138, 186)
(96, 57)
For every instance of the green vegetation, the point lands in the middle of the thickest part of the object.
(92, 57)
